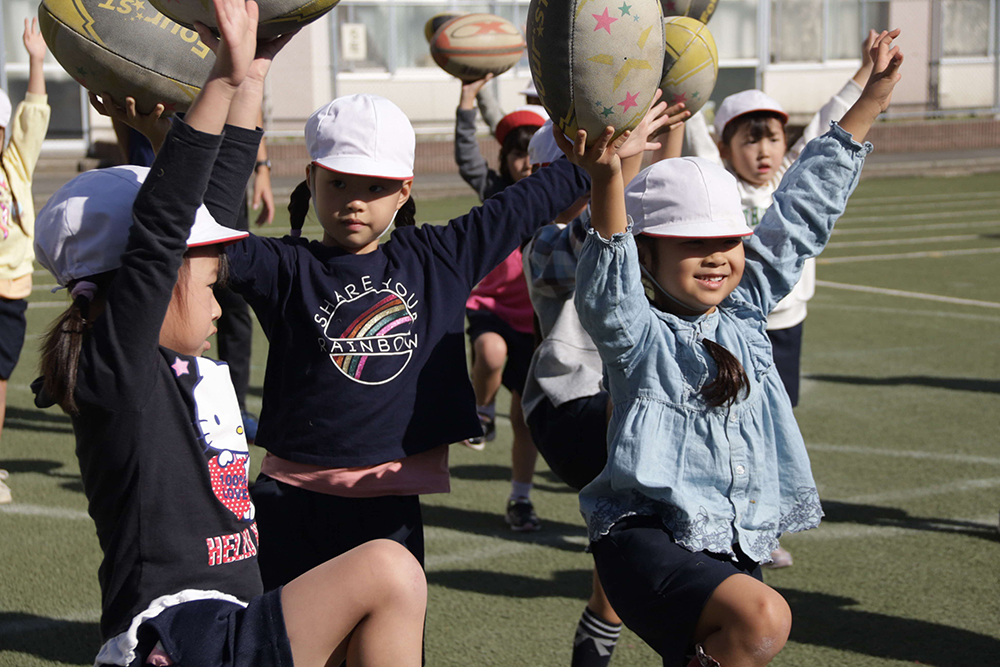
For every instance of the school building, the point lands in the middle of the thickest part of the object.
(798, 51)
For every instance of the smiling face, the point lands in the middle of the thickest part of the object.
(192, 312)
(700, 273)
(755, 153)
(355, 210)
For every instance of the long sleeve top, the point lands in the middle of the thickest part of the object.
(793, 308)
(566, 365)
(366, 362)
(714, 476)
(17, 209)
(159, 436)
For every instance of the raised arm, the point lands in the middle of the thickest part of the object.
(471, 165)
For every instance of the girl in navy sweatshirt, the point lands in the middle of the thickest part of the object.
(366, 382)
(162, 452)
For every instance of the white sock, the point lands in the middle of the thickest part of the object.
(520, 490)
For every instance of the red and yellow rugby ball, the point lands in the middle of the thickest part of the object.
(474, 45)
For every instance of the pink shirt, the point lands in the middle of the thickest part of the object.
(415, 475)
(504, 291)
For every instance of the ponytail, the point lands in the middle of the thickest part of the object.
(298, 207)
(730, 380)
(406, 216)
(63, 341)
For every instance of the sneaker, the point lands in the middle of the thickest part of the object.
(521, 516)
(779, 558)
(4, 489)
(489, 434)
(249, 426)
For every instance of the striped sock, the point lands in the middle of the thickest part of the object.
(595, 640)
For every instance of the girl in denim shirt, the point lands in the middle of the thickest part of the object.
(706, 466)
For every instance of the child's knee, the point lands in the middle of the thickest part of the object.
(768, 620)
(492, 349)
(397, 571)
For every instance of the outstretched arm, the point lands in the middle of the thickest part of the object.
(878, 90)
(607, 191)
(35, 46)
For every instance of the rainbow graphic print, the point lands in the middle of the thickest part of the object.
(369, 338)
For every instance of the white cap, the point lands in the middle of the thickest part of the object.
(530, 90)
(4, 109)
(745, 102)
(543, 149)
(83, 229)
(687, 197)
(364, 135)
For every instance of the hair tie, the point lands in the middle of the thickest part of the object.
(83, 288)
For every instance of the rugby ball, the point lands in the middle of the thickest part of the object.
(474, 45)
(690, 63)
(595, 63)
(124, 47)
(701, 10)
(276, 16)
(435, 22)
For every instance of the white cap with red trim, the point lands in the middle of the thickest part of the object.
(83, 228)
(543, 149)
(742, 103)
(686, 197)
(363, 135)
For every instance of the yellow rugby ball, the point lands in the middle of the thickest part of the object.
(125, 47)
(696, 9)
(690, 63)
(594, 62)
(276, 16)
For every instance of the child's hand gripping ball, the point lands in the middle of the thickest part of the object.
(595, 63)
(118, 48)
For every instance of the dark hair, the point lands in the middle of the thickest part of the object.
(730, 378)
(62, 343)
(758, 126)
(298, 208)
(516, 141)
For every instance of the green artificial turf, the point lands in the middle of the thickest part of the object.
(899, 409)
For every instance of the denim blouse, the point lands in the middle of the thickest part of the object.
(719, 476)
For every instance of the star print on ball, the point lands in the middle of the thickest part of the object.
(126, 47)
(691, 62)
(595, 62)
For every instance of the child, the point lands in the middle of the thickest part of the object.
(366, 381)
(17, 211)
(499, 310)
(750, 127)
(159, 438)
(564, 404)
(706, 467)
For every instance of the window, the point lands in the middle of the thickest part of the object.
(965, 28)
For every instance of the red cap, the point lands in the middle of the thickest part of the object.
(531, 114)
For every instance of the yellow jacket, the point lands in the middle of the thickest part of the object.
(26, 130)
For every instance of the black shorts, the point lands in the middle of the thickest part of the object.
(216, 633)
(520, 346)
(300, 529)
(659, 588)
(573, 437)
(13, 324)
(786, 345)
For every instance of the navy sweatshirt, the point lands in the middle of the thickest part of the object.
(367, 356)
(158, 435)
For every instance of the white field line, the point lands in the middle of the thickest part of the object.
(908, 241)
(17, 509)
(485, 547)
(944, 196)
(905, 454)
(987, 202)
(850, 531)
(923, 492)
(909, 295)
(902, 217)
(932, 254)
(917, 228)
(907, 312)
(34, 624)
